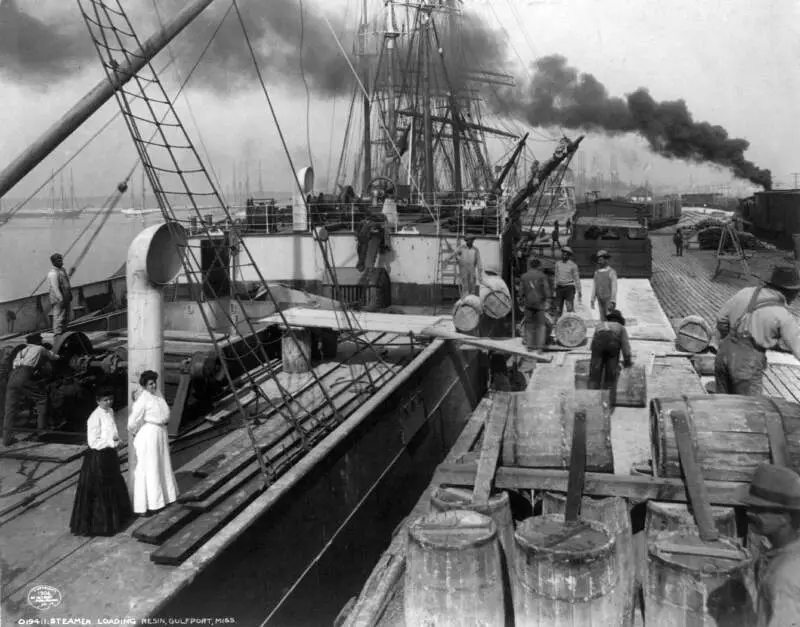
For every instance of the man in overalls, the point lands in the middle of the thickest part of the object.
(755, 320)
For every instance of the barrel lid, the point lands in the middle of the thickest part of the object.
(453, 530)
(459, 496)
(717, 512)
(571, 330)
(549, 534)
(686, 551)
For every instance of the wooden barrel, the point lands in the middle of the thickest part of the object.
(538, 433)
(454, 571)
(467, 313)
(691, 589)
(612, 512)
(631, 384)
(570, 330)
(296, 350)
(495, 296)
(693, 334)
(498, 509)
(566, 574)
(729, 432)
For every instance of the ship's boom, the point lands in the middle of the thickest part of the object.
(96, 98)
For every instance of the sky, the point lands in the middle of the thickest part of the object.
(733, 62)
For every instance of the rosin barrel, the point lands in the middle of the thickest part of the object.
(296, 350)
(567, 574)
(612, 512)
(467, 313)
(498, 509)
(454, 571)
(539, 429)
(631, 383)
(687, 586)
(570, 330)
(693, 334)
(495, 296)
(729, 431)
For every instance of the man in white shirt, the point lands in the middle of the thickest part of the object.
(568, 283)
(60, 294)
(27, 384)
(470, 268)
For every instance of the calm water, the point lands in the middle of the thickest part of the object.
(26, 244)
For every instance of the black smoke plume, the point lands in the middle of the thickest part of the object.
(35, 52)
(559, 95)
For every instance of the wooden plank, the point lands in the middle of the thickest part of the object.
(490, 452)
(162, 525)
(776, 432)
(704, 551)
(636, 487)
(694, 476)
(787, 376)
(43, 451)
(513, 347)
(179, 404)
(577, 467)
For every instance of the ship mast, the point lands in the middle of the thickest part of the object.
(427, 122)
(390, 37)
(362, 40)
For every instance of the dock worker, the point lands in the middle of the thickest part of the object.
(609, 341)
(677, 239)
(773, 510)
(538, 298)
(567, 282)
(470, 267)
(556, 242)
(27, 384)
(604, 287)
(753, 321)
(60, 293)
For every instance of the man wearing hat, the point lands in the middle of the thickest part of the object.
(754, 321)
(773, 511)
(604, 288)
(537, 295)
(60, 293)
(470, 268)
(567, 281)
(27, 384)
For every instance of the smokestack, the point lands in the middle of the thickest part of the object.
(559, 95)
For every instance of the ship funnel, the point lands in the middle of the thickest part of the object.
(154, 259)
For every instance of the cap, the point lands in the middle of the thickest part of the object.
(774, 487)
(567, 249)
(469, 238)
(603, 253)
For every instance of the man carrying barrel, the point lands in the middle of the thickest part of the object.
(538, 296)
(773, 510)
(755, 320)
(568, 282)
(610, 339)
(470, 268)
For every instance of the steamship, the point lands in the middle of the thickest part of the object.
(293, 442)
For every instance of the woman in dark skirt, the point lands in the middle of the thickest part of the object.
(102, 505)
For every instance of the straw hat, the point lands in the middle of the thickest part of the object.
(784, 277)
(603, 253)
(567, 250)
(774, 487)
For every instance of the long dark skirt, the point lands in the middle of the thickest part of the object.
(102, 505)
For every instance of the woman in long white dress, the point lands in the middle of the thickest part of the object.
(154, 485)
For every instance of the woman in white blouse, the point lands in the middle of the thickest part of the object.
(154, 485)
(102, 505)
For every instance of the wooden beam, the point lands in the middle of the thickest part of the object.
(635, 487)
(490, 452)
(577, 468)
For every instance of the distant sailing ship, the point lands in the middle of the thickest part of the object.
(143, 210)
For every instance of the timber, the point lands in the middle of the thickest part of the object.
(638, 488)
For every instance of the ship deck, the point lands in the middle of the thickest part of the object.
(115, 577)
(680, 286)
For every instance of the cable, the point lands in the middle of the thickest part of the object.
(305, 84)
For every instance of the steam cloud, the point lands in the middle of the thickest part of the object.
(35, 52)
(560, 95)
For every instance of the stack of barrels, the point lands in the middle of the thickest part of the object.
(493, 302)
(476, 564)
